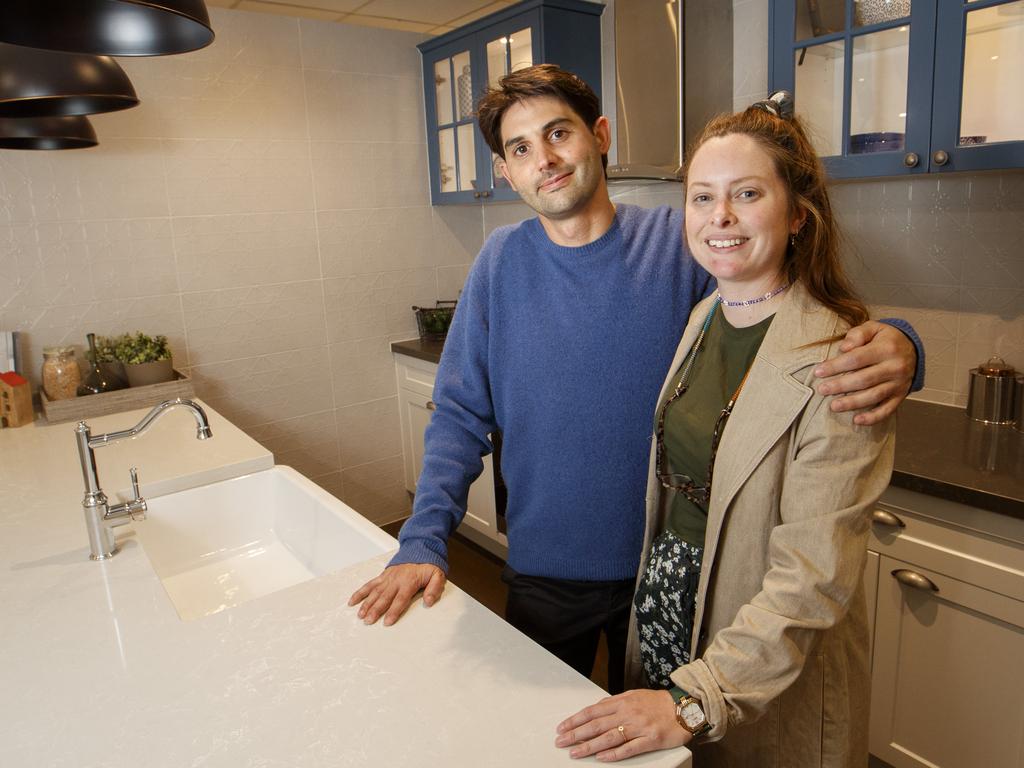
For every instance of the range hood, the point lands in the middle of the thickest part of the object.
(673, 72)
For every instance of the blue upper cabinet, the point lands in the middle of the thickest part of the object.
(892, 87)
(460, 65)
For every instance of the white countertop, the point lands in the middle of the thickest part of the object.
(96, 668)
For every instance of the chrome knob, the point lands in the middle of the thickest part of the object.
(882, 517)
(911, 159)
(940, 157)
(915, 580)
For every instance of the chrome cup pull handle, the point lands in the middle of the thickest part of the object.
(914, 579)
(883, 517)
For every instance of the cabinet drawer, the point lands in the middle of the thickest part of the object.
(416, 375)
(988, 561)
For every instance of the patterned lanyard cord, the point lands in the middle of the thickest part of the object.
(697, 494)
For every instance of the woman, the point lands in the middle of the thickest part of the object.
(749, 620)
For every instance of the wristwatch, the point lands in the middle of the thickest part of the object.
(690, 716)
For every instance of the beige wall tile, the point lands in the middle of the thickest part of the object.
(343, 175)
(189, 99)
(360, 438)
(331, 482)
(458, 234)
(251, 38)
(363, 371)
(245, 249)
(209, 176)
(38, 186)
(352, 106)
(308, 444)
(268, 388)
(348, 48)
(377, 490)
(121, 178)
(255, 320)
(373, 240)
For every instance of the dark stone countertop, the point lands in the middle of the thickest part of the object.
(941, 452)
(422, 349)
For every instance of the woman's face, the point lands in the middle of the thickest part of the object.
(737, 213)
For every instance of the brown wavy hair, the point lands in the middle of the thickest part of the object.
(812, 257)
(532, 82)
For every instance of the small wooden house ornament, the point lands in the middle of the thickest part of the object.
(15, 400)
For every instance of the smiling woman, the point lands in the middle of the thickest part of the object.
(758, 495)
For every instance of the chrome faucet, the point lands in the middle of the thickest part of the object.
(100, 517)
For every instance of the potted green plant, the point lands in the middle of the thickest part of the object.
(147, 359)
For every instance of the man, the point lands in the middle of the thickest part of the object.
(562, 338)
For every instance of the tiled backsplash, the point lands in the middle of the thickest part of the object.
(267, 208)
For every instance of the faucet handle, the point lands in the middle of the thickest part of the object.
(134, 473)
(137, 506)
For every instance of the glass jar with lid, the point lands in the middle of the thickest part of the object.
(61, 375)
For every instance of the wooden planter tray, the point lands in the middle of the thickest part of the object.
(88, 406)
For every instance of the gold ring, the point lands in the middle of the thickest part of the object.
(622, 733)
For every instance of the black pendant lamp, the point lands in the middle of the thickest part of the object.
(73, 132)
(38, 83)
(111, 27)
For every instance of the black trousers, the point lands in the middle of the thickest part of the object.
(567, 618)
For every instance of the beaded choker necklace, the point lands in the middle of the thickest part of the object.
(758, 300)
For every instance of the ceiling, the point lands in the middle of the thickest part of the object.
(432, 17)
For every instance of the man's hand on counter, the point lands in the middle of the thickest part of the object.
(390, 593)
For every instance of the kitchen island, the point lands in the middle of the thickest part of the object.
(99, 670)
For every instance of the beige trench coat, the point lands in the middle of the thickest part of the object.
(780, 637)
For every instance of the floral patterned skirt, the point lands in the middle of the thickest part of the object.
(665, 601)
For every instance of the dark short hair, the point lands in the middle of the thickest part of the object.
(532, 82)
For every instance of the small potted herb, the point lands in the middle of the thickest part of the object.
(147, 359)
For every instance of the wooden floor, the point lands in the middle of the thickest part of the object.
(479, 573)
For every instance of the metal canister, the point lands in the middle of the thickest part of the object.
(990, 395)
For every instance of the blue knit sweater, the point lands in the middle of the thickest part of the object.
(564, 351)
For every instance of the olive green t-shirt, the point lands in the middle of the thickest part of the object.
(724, 358)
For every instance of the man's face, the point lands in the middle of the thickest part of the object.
(552, 158)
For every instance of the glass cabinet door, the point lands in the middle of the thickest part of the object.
(865, 105)
(979, 99)
(506, 53)
(456, 139)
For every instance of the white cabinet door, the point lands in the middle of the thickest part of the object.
(415, 380)
(947, 679)
(416, 411)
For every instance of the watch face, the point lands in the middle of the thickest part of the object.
(693, 715)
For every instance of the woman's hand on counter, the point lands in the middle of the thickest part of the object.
(621, 726)
(390, 594)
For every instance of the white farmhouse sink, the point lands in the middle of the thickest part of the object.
(223, 544)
